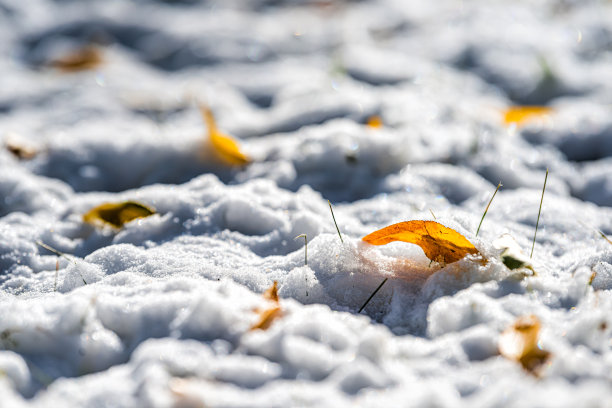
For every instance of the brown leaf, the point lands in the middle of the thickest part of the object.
(21, 151)
(86, 58)
(520, 343)
(224, 146)
(117, 214)
(441, 244)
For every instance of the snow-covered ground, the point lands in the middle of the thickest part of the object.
(160, 312)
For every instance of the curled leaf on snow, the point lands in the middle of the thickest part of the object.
(268, 315)
(511, 254)
(519, 343)
(117, 215)
(20, 150)
(375, 122)
(441, 244)
(224, 146)
(523, 114)
(83, 59)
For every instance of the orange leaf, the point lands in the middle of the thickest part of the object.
(375, 122)
(84, 59)
(117, 214)
(267, 316)
(523, 114)
(272, 293)
(225, 147)
(441, 244)
(520, 343)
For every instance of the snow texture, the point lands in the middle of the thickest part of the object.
(158, 313)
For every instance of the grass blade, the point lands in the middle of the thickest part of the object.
(305, 247)
(487, 209)
(335, 223)
(58, 253)
(372, 295)
(539, 212)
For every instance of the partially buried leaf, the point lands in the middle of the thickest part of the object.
(84, 59)
(511, 254)
(224, 146)
(272, 293)
(523, 114)
(520, 343)
(19, 150)
(117, 214)
(268, 315)
(375, 122)
(441, 244)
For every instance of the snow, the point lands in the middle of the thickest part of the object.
(159, 313)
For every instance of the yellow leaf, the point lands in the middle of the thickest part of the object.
(520, 343)
(523, 114)
(117, 214)
(441, 244)
(84, 59)
(267, 316)
(375, 122)
(225, 147)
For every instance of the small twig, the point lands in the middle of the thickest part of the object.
(372, 295)
(487, 209)
(539, 211)
(305, 247)
(58, 253)
(432, 213)
(335, 223)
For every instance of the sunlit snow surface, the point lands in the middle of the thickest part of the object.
(165, 316)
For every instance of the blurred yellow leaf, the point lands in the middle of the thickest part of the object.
(441, 244)
(267, 316)
(375, 122)
(523, 114)
(84, 59)
(520, 343)
(225, 147)
(117, 214)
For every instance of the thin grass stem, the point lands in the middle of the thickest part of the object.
(305, 247)
(335, 223)
(539, 212)
(488, 205)
(372, 295)
(63, 255)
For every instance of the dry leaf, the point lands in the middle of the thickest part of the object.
(375, 122)
(267, 316)
(441, 244)
(117, 214)
(84, 59)
(21, 151)
(272, 293)
(523, 114)
(520, 343)
(225, 147)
